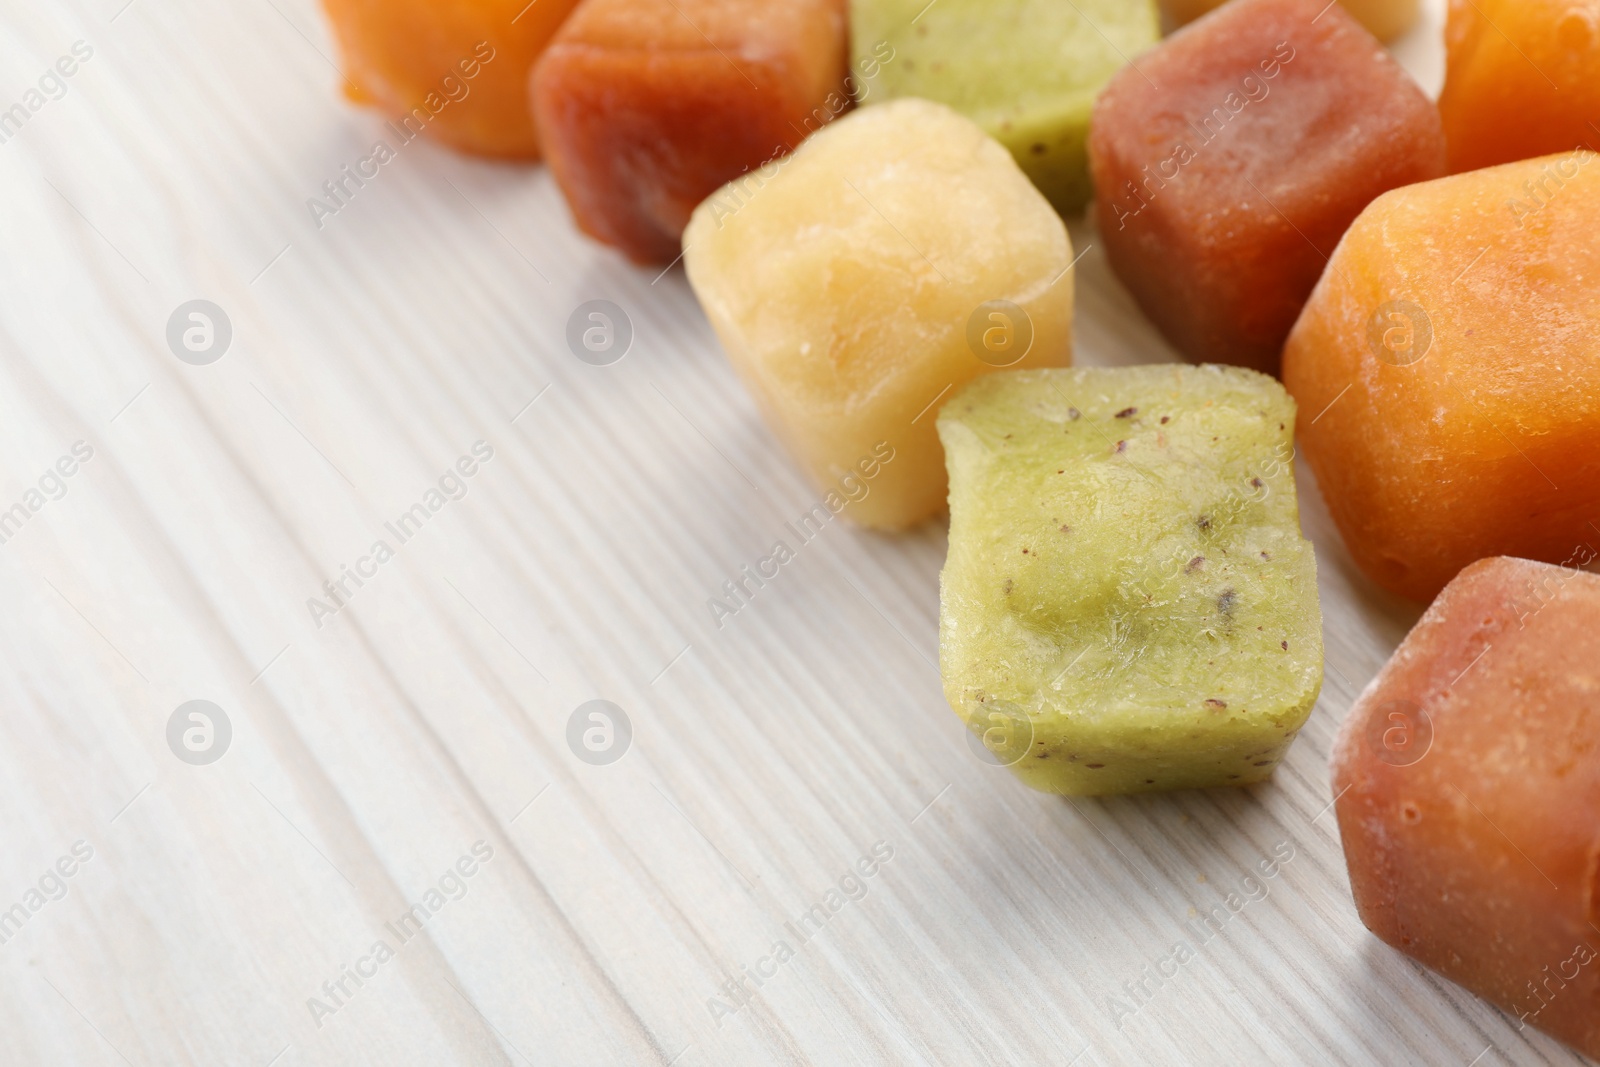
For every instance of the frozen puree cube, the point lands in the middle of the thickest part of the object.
(1228, 165)
(1522, 79)
(456, 68)
(1468, 785)
(646, 106)
(1027, 71)
(1128, 604)
(1387, 19)
(855, 285)
(1450, 366)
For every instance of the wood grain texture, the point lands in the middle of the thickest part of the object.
(431, 713)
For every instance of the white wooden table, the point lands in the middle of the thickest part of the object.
(771, 759)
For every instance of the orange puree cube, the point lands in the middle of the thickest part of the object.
(1386, 19)
(1467, 780)
(1449, 374)
(646, 107)
(1229, 159)
(456, 68)
(1522, 79)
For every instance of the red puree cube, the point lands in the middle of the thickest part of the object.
(1229, 160)
(1468, 785)
(647, 107)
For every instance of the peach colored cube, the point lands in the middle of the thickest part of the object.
(1468, 785)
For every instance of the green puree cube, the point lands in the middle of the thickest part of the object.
(1027, 71)
(1128, 604)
